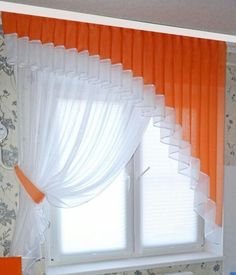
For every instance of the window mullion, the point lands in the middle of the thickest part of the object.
(137, 203)
(130, 208)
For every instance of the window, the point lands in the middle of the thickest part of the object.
(166, 219)
(148, 210)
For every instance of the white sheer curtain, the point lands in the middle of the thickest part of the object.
(104, 111)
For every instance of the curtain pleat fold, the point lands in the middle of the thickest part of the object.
(195, 98)
(219, 161)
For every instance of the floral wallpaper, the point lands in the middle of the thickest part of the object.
(8, 152)
(197, 269)
(8, 157)
(230, 116)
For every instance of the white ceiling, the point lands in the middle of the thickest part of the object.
(216, 18)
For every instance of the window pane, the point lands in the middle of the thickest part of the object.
(98, 225)
(167, 216)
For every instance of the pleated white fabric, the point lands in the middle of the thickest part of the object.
(80, 121)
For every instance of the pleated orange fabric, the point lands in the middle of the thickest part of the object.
(190, 72)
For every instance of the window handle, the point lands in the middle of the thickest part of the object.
(144, 172)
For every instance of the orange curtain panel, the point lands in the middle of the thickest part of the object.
(10, 266)
(190, 72)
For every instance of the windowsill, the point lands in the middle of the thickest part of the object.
(133, 264)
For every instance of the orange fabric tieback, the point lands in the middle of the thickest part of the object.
(36, 195)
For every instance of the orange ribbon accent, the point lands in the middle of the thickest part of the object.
(36, 195)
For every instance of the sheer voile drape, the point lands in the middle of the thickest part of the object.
(186, 74)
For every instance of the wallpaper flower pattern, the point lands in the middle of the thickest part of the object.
(197, 269)
(8, 152)
(230, 115)
(8, 155)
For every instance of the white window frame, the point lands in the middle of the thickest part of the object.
(60, 259)
(168, 249)
(134, 247)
